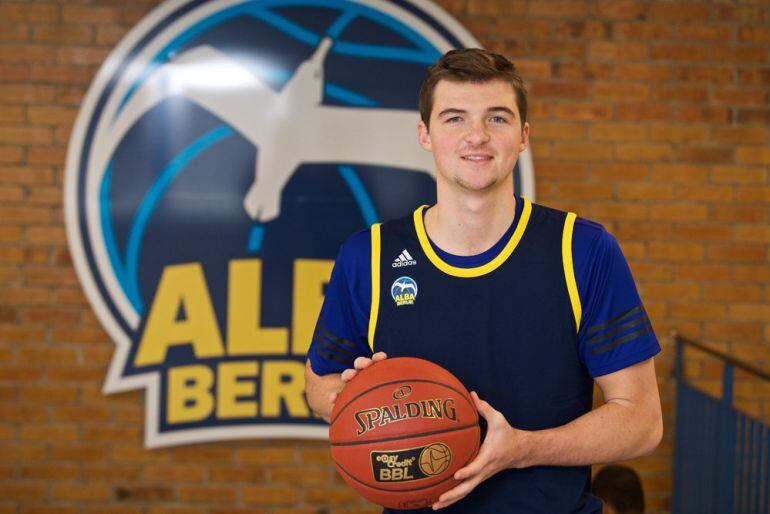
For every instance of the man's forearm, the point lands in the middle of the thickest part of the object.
(613, 432)
(319, 390)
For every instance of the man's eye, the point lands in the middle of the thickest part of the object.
(498, 119)
(454, 119)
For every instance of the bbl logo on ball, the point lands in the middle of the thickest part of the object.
(221, 155)
(411, 464)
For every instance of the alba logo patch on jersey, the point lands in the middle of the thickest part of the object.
(404, 259)
(223, 152)
(404, 291)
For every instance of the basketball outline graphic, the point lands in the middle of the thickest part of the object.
(428, 458)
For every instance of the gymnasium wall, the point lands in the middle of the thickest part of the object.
(651, 117)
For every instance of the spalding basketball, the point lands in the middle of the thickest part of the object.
(401, 429)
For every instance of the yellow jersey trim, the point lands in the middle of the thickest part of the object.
(375, 307)
(478, 271)
(569, 268)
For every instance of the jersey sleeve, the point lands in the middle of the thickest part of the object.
(615, 331)
(341, 331)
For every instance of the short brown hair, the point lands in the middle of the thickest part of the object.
(471, 65)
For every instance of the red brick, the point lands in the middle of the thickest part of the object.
(621, 9)
(83, 452)
(752, 234)
(738, 174)
(23, 490)
(743, 213)
(704, 114)
(751, 273)
(641, 31)
(63, 34)
(583, 151)
(643, 152)
(627, 51)
(496, 7)
(752, 194)
(620, 91)
(579, 29)
(78, 491)
(644, 191)
(675, 251)
(753, 155)
(534, 69)
(687, 173)
(745, 14)
(80, 413)
(582, 111)
(584, 191)
(737, 252)
(559, 89)
(759, 116)
(276, 495)
(754, 76)
(640, 71)
(679, 212)
(679, 11)
(668, 291)
(580, 70)
(731, 293)
(89, 14)
(739, 134)
(754, 34)
(182, 473)
(750, 312)
(642, 112)
(14, 33)
(558, 8)
(741, 96)
(53, 393)
(560, 131)
(734, 331)
(49, 276)
(240, 474)
(112, 473)
(624, 211)
(707, 193)
(617, 132)
(25, 134)
(643, 231)
(680, 93)
(556, 48)
(657, 271)
(11, 114)
(550, 170)
(702, 232)
(702, 272)
(740, 54)
(70, 95)
(707, 74)
(26, 53)
(46, 432)
(615, 171)
(679, 52)
(47, 471)
(207, 494)
(98, 433)
(697, 311)
(718, 33)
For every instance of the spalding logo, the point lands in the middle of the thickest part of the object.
(223, 152)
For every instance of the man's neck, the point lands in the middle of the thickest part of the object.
(470, 224)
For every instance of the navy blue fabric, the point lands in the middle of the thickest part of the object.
(605, 286)
(510, 336)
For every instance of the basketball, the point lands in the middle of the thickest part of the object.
(401, 429)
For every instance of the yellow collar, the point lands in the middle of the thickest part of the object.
(492, 265)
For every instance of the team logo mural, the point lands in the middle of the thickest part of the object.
(223, 152)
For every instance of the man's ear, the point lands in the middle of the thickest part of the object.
(524, 137)
(423, 137)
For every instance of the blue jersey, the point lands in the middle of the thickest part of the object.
(527, 324)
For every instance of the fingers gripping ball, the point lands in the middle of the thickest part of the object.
(399, 431)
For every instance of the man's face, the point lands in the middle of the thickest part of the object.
(475, 134)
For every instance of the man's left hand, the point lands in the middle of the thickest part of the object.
(502, 448)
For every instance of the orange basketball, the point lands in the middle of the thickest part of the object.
(399, 431)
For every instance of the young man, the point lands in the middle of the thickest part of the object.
(526, 305)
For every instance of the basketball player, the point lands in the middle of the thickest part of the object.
(528, 306)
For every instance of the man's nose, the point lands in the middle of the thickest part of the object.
(477, 133)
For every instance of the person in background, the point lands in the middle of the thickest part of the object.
(620, 489)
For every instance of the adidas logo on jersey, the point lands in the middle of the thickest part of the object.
(404, 260)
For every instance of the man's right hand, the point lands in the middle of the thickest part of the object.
(322, 390)
(358, 364)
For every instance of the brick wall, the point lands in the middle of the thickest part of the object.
(651, 117)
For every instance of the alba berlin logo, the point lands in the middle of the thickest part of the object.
(223, 152)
